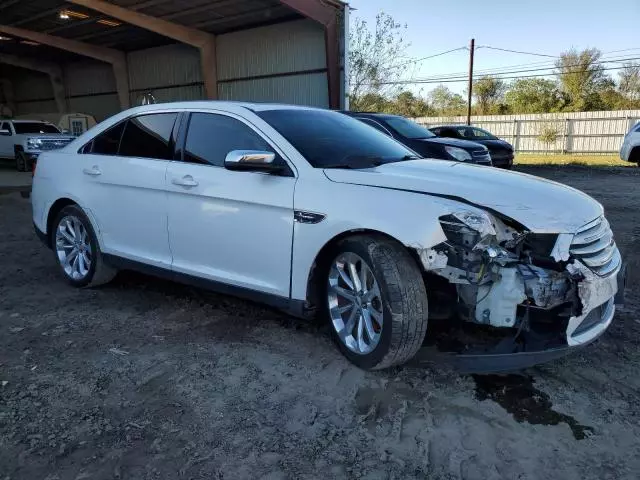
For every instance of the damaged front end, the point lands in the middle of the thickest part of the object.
(552, 290)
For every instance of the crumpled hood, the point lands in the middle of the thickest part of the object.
(540, 205)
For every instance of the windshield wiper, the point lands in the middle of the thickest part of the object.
(357, 163)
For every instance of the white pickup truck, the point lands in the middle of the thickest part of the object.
(24, 140)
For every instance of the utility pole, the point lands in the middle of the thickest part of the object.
(472, 48)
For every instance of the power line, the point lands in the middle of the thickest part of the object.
(498, 75)
(517, 51)
(430, 56)
(605, 56)
(458, 80)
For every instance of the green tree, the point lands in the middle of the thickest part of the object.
(409, 105)
(534, 95)
(582, 78)
(370, 102)
(489, 94)
(376, 58)
(630, 81)
(445, 102)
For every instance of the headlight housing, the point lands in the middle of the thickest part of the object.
(467, 227)
(459, 154)
(34, 143)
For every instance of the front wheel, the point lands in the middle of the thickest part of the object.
(77, 251)
(376, 301)
(21, 162)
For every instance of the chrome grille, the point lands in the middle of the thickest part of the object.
(594, 246)
(53, 143)
(481, 156)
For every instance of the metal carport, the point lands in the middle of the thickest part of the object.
(99, 57)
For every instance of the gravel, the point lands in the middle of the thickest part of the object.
(147, 379)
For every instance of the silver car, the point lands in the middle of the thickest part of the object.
(630, 150)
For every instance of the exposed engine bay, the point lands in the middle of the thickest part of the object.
(506, 276)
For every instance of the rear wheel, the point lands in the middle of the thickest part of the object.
(634, 156)
(376, 301)
(77, 251)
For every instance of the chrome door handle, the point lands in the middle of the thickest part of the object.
(93, 171)
(186, 181)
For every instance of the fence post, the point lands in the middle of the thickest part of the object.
(516, 135)
(568, 136)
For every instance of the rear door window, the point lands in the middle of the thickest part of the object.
(210, 137)
(107, 142)
(149, 136)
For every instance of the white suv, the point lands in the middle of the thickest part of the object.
(630, 150)
(318, 214)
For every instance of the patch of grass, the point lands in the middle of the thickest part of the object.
(581, 160)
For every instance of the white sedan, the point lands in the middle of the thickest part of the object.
(321, 215)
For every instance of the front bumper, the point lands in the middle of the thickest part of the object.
(502, 161)
(528, 348)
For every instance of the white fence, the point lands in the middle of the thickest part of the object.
(581, 132)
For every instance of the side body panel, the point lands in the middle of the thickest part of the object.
(410, 218)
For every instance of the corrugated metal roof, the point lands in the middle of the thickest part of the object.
(216, 17)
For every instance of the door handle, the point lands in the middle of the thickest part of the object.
(93, 171)
(186, 181)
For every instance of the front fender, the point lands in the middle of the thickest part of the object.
(411, 218)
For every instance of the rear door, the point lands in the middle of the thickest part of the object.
(124, 172)
(234, 227)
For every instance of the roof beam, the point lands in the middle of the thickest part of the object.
(8, 4)
(115, 57)
(76, 23)
(204, 41)
(327, 16)
(51, 69)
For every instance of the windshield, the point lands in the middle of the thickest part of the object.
(330, 139)
(34, 127)
(481, 134)
(407, 128)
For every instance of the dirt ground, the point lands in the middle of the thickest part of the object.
(146, 379)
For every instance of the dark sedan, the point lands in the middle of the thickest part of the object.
(424, 142)
(501, 151)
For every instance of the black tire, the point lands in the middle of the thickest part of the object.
(404, 299)
(99, 272)
(21, 162)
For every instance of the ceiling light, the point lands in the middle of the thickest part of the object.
(64, 15)
(29, 42)
(71, 13)
(109, 23)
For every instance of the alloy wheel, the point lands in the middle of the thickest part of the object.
(73, 247)
(355, 303)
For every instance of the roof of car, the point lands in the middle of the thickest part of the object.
(206, 104)
(371, 114)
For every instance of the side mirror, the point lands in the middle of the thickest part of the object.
(66, 131)
(5, 132)
(252, 161)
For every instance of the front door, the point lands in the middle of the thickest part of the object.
(124, 170)
(6, 141)
(229, 226)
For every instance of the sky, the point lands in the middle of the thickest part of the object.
(542, 26)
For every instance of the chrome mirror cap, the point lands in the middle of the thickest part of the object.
(256, 160)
